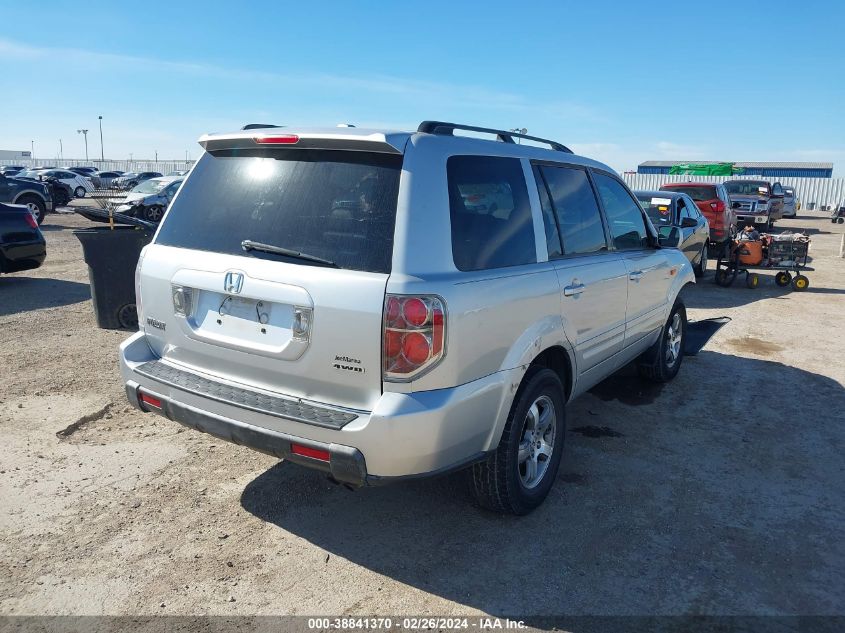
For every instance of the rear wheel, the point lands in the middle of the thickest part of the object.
(79, 192)
(36, 207)
(783, 278)
(725, 277)
(661, 362)
(516, 478)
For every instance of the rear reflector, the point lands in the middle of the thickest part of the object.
(279, 139)
(306, 451)
(153, 402)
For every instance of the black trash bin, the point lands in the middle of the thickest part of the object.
(111, 255)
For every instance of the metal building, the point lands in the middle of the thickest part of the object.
(770, 170)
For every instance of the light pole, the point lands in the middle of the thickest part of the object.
(85, 134)
(32, 153)
(61, 149)
(519, 130)
(156, 156)
(102, 158)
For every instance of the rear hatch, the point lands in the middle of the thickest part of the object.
(269, 271)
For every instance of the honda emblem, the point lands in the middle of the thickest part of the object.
(233, 283)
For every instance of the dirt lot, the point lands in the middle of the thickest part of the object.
(721, 493)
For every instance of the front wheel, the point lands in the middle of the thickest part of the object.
(153, 213)
(661, 362)
(800, 283)
(783, 278)
(79, 192)
(517, 477)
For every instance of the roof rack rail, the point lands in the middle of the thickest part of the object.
(258, 126)
(447, 129)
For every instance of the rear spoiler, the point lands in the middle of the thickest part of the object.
(375, 142)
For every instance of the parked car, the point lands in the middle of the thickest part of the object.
(150, 199)
(83, 171)
(790, 202)
(714, 202)
(103, 179)
(60, 192)
(668, 209)
(757, 202)
(31, 193)
(80, 185)
(11, 170)
(178, 172)
(22, 246)
(130, 180)
(407, 335)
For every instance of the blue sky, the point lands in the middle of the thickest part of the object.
(621, 82)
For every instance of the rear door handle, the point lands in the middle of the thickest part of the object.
(636, 275)
(574, 289)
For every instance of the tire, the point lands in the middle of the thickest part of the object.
(725, 277)
(36, 206)
(800, 283)
(79, 192)
(657, 364)
(840, 220)
(783, 278)
(506, 481)
(752, 280)
(701, 267)
(153, 213)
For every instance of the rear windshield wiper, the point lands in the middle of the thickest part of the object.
(249, 245)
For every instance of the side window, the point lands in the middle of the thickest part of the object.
(777, 189)
(549, 221)
(577, 210)
(627, 227)
(491, 218)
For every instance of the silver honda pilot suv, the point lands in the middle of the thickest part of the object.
(384, 305)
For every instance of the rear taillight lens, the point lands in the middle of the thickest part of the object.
(30, 219)
(414, 336)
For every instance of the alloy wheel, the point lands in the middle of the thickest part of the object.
(538, 440)
(674, 339)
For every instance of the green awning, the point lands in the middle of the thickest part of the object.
(705, 169)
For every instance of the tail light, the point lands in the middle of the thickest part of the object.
(414, 338)
(30, 219)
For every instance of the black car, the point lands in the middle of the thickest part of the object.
(22, 246)
(11, 170)
(83, 171)
(667, 209)
(103, 179)
(32, 193)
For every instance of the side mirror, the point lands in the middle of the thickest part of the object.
(735, 205)
(669, 237)
(688, 223)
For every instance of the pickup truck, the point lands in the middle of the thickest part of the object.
(22, 246)
(757, 202)
(32, 194)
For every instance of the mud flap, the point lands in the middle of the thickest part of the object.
(699, 332)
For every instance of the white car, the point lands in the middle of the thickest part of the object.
(80, 185)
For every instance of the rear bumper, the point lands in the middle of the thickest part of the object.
(20, 256)
(405, 435)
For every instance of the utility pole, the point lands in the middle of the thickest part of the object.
(32, 153)
(130, 155)
(61, 149)
(85, 134)
(102, 156)
(156, 156)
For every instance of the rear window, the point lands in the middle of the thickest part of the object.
(658, 209)
(747, 188)
(491, 218)
(697, 193)
(154, 185)
(334, 205)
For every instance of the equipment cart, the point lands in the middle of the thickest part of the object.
(786, 253)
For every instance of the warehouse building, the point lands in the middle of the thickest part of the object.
(768, 170)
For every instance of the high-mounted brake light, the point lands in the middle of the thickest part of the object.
(277, 139)
(414, 335)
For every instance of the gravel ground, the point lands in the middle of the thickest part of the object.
(721, 493)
